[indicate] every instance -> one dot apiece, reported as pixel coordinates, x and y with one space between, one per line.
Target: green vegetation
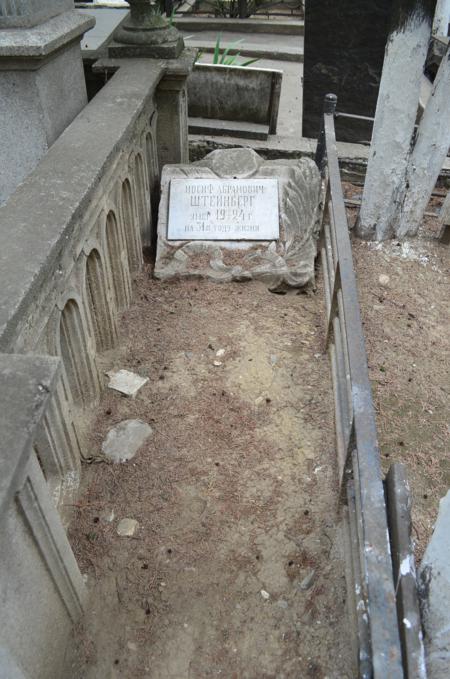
223 56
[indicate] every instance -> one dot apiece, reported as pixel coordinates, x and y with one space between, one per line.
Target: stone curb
256 51
240 25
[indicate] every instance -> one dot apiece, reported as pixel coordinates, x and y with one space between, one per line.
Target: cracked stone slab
124 440
286 261
126 382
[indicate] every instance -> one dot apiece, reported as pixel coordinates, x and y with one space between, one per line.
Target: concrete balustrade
71 239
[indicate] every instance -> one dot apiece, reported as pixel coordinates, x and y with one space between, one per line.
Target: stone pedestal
146 33
42 86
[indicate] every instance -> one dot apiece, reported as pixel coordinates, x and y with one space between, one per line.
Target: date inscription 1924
223 209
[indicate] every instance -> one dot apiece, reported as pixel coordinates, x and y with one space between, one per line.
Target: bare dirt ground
236 570
407 331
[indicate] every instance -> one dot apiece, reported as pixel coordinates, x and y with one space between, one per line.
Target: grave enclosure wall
71 240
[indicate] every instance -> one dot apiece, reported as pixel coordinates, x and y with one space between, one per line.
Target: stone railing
71 239
42 590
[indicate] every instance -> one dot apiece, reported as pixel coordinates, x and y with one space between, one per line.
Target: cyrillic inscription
221 209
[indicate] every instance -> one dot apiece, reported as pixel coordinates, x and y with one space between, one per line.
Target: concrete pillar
429 153
441 18
172 136
42 86
395 116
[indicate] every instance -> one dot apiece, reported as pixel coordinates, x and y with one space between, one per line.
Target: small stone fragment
282 603
127 528
220 352
217 363
259 400
107 516
383 280
265 595
126 382
124 440
131 646
308 580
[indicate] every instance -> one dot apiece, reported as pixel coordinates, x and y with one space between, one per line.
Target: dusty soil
236 569
407 330
236 492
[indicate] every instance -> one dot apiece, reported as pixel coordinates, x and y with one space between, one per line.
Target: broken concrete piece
126 382
434 583
127 528
124 440
285 261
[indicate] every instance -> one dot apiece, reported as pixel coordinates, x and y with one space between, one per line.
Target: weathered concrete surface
434 579
288 261
25 385
42 89
41 588
30 12
233 93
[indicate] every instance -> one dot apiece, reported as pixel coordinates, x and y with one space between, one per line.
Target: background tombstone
42 86
344 51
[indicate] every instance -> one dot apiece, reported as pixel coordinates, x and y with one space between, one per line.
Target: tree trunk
395 117
429 153
441 18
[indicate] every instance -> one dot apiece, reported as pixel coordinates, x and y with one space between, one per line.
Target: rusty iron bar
398 497
358 453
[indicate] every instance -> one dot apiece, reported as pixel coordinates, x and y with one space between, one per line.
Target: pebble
131 646
383 280
282 603
107 515
265 595
259 400
127 528
217 363
308 580
220 352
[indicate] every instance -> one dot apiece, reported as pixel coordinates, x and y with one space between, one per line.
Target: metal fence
372 592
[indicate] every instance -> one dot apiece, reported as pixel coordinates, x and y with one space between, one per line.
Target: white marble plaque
223 209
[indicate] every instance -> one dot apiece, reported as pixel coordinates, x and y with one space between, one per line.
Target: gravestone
344 53
235 216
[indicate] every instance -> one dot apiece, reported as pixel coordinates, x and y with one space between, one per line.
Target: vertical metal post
329 108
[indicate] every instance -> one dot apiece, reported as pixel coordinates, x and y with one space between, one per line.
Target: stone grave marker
223 209
235 216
